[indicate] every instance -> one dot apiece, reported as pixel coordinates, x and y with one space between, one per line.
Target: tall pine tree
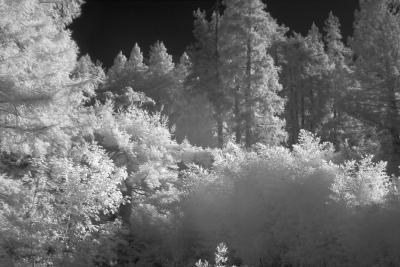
305 66
250 72
375 99
205 79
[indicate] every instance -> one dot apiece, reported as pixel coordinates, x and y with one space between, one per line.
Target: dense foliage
266 141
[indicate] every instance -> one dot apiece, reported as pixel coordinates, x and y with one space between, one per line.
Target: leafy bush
296 207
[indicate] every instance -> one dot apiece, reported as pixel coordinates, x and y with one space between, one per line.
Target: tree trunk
394 162
303 113
220 119
220 130
292 107
238 117
247 98
296 115
313 116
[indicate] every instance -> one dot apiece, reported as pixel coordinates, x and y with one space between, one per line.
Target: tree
90 74
117 77
250 71
160 83
63 11
55 181
160 62
375 98
135 62
305 68
205 78
124 76
347 133
35 60
194 121
164 82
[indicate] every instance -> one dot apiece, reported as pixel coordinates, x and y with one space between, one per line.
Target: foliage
220 257
35 62
294 208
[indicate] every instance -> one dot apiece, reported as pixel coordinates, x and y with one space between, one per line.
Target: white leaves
296 206
221 255
362 183
221 258
311 149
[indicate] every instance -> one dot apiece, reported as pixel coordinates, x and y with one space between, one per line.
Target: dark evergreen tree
305 68
205 78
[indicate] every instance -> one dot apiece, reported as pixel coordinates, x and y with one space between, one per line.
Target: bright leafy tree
56 182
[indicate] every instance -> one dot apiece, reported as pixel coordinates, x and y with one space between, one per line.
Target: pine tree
91 75
36 57
374 99
248 30
135 62
162 84
194 121
205 78
291 55
125 75
136 70
117 78
317 100
305 67
160 62
340 128
336 49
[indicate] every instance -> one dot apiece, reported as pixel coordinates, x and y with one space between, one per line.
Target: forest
259 147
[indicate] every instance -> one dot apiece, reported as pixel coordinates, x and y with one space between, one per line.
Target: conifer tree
117 78
195 119
205 78
91 74
248 32
336 49
340 128
136 70
160 62
317 99
35 60
375 99
305 67
126 73
135 62
162 84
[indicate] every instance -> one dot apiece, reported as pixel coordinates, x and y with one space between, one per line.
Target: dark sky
108 26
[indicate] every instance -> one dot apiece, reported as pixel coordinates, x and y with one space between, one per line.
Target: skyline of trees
314 78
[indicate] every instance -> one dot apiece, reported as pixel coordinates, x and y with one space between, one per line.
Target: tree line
255 81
